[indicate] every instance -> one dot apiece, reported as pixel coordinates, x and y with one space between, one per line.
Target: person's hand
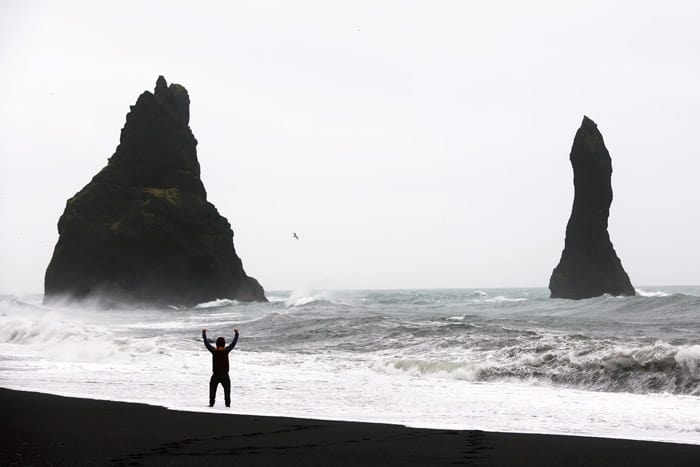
235 330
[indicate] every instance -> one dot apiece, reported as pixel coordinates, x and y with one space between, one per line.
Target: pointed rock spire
589 266
142 230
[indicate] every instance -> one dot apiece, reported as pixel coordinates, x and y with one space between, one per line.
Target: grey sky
409 144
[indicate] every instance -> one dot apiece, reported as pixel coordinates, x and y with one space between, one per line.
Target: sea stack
142 231
589 266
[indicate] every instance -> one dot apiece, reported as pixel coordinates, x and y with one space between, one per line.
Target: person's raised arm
235 340
206 341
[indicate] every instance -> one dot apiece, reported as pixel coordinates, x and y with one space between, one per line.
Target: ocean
489 359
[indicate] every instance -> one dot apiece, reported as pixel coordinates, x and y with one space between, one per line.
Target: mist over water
498 359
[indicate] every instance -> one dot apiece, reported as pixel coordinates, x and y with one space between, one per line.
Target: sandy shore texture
40 429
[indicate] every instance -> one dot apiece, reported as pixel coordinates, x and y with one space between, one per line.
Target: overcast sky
409 144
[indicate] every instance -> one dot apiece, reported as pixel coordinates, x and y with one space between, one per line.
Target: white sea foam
501 298
304 297
464 371
689 358
219 302
301 301
657 293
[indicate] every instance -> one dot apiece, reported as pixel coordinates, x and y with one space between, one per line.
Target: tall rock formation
589 266
142 230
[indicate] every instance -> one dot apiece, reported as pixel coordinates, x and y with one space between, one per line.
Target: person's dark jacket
219 358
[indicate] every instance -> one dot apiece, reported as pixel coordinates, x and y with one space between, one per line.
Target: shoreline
220 410
41 429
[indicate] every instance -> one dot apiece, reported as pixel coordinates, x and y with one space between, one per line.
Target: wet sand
40 429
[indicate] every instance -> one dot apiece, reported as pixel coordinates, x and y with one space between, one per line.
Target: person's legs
213 383
226 383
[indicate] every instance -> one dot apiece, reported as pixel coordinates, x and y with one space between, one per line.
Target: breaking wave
656 368
219 302
62 339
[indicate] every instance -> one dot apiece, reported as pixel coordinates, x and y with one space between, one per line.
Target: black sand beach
40 429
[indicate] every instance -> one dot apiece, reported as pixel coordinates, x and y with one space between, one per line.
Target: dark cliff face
589 266
142 231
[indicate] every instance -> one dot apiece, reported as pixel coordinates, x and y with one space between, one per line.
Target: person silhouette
219 360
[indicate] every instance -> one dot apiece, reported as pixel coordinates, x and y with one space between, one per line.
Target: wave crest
218 303
655 368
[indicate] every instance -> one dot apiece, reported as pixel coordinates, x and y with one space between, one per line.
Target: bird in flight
295 235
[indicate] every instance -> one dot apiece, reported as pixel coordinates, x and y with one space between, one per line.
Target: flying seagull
295 235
